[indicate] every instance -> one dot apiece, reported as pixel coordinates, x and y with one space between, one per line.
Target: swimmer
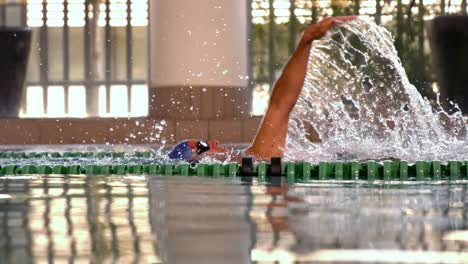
271 136
191 150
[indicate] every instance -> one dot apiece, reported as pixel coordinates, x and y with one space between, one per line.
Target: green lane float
300 172
292 172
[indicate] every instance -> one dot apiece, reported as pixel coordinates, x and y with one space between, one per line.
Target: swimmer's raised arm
271 136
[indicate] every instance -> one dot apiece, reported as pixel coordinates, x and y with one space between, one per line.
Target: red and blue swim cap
188 150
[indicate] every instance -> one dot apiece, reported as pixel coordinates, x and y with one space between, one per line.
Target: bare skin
271 136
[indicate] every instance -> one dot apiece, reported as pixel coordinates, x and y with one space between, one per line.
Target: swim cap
181 151
188 150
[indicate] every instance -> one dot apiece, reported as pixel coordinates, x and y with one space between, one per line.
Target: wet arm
271 136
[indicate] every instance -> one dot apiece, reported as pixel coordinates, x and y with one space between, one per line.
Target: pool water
152 219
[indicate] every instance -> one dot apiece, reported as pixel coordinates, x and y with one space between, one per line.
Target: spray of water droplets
358 98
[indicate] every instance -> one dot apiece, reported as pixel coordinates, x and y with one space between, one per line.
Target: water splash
358 98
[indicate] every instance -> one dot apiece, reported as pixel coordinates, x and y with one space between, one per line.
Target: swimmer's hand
318 30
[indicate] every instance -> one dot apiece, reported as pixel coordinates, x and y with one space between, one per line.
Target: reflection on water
195 220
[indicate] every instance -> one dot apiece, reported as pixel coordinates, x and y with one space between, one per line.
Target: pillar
199 59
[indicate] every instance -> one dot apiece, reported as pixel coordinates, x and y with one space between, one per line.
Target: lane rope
291 171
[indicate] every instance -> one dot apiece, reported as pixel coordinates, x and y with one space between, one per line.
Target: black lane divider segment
247 168
275 171
275 167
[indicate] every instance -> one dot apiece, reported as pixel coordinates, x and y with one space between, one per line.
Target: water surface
150 219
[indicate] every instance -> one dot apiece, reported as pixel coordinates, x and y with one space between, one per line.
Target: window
84 53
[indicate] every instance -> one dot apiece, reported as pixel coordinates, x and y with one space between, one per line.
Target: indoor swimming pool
388 183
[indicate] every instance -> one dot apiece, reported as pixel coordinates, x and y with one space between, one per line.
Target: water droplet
340 103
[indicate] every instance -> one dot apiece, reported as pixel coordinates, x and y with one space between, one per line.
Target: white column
199 43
